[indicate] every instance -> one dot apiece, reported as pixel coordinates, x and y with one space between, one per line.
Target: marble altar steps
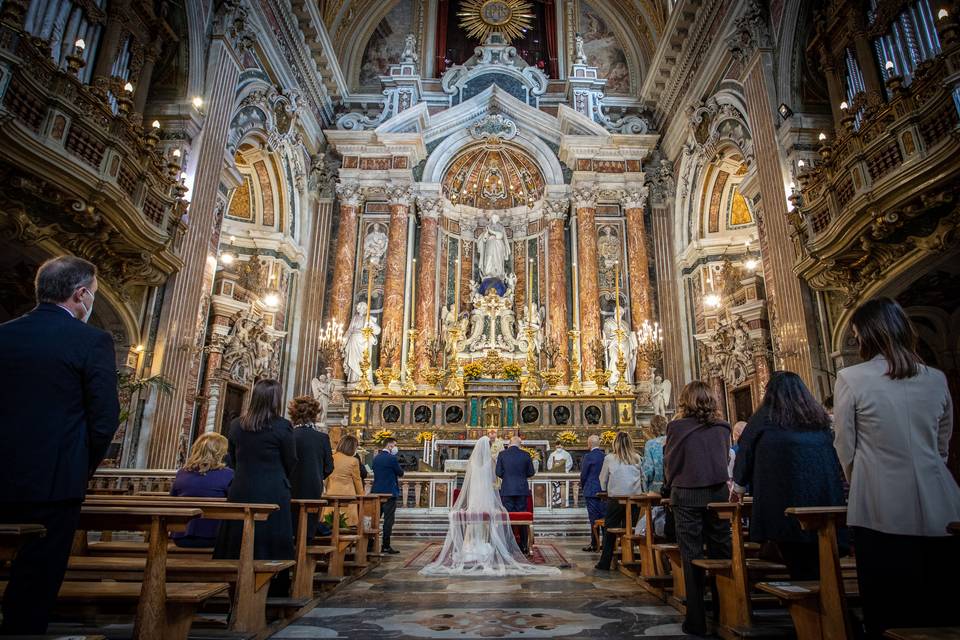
427 523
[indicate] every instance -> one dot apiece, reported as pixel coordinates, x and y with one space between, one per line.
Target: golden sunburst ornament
480 18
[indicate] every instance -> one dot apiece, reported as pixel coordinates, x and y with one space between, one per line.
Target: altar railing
418 489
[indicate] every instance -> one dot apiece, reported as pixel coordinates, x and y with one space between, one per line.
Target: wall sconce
784 111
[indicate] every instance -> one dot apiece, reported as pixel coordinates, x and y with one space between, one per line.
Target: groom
514 466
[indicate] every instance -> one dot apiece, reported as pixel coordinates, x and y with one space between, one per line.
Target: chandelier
650 343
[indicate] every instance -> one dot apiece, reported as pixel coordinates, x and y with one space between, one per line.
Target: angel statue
409 53
660 395
355 342
536 323
322 388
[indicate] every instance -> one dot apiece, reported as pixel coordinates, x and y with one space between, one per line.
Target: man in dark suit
386 474
590 466
59 410
514 466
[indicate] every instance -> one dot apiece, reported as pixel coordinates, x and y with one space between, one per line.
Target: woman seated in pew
620 475
203 476
264 454
695 460
653 454
786 456
314 458
345 479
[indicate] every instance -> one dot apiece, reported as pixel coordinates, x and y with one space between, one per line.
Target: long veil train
479 540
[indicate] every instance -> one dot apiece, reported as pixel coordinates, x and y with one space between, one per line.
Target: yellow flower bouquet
567 438
381 436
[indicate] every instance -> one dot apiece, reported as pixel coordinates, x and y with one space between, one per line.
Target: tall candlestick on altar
369 289
616 287
456 284
530 288
576 299
413 293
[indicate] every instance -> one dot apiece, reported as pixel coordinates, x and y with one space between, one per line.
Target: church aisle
395 602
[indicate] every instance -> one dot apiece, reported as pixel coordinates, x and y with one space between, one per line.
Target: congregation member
788 460
695 460
590 466
205 475
345 479
58 413
386 479
893 421
314 458
514 468
263 453
621 475
653 455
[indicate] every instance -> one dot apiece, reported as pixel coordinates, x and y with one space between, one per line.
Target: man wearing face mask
386 471
59 410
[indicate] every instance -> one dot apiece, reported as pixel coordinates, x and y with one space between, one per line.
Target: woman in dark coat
786 457
314 457
263 454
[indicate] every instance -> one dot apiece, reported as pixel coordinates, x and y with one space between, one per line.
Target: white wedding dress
479 540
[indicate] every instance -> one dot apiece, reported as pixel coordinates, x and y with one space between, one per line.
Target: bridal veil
479 539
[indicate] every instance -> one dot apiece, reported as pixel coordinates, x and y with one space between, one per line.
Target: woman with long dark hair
893 419
786 456
695 460
263 453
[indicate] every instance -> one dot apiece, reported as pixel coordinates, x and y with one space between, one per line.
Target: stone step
430 523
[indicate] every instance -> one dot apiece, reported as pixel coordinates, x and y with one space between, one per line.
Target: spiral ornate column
398 198
426 316
633 200
585 203
557 279
350 196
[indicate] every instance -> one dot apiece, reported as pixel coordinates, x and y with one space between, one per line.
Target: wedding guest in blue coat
386 474
653 455
590 466
514 466
203 476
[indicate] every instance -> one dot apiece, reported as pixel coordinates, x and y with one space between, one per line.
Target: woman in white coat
893 421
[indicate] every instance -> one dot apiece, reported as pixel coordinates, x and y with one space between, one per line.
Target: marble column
426 305
634 200
394 284
314 289
184 315
344 261
588 270
790 303
557 279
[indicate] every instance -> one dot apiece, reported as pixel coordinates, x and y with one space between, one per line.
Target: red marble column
633 201
345 258
557 285
585 202
426 314
396 267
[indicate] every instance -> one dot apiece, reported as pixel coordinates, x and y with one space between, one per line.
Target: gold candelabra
622 386
454 381
363 384
576 382
530 386
409 386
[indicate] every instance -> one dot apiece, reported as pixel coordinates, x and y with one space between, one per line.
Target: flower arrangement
607 437
567 438
425 436
512 371
534 453
381 436
473 370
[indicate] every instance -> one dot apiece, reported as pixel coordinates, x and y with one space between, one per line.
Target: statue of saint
356 344
322 388
628 344
660 395
494 250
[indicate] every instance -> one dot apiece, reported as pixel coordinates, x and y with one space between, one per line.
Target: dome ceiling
493 175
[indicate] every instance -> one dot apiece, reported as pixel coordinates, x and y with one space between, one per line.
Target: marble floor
397 603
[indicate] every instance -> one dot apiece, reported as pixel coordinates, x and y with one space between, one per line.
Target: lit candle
413 293
369 291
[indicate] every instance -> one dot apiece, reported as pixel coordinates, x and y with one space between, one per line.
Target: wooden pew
818 609
628 561
375 524
735 577
164 612
308 552
931 633
12 537
250 579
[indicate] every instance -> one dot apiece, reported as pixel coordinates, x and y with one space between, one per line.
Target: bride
479 540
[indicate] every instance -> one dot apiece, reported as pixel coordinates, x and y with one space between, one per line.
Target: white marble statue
409 53
322 388
536 323
579 56
628 344
494 250
356 344
660 395
375 244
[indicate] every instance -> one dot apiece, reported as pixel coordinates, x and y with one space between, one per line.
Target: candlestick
413 293
530 288
369 289
456 284
576 299
616 287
